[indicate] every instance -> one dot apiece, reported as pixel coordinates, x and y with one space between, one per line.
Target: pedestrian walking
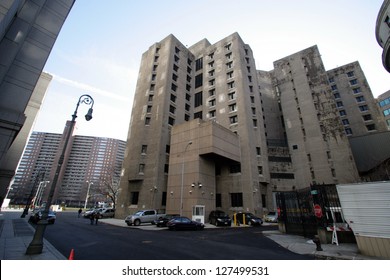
92 217
96 217
79 212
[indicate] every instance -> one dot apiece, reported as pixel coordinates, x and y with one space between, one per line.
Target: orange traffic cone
71 256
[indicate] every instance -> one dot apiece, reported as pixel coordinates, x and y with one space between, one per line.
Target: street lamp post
86 198
182 178
36 244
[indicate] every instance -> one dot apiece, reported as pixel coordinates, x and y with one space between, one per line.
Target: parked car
36 216
250 219
143 216
106 213
162 221
271 217
184 223
219 218
89 212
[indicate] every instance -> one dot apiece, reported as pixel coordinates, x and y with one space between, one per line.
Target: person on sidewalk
79 213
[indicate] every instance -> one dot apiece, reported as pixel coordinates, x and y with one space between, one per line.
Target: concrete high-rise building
210 131
87 159
384 106
357 107
28 31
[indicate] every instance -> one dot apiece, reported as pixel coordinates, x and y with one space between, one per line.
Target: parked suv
219 218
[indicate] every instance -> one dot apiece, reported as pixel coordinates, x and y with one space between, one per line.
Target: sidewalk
16 234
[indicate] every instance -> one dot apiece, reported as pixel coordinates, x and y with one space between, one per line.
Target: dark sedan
249 219
184 223
162 222
36 216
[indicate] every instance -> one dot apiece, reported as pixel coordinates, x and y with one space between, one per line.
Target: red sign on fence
317 210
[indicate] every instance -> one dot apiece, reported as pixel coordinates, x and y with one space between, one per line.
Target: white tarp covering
366 208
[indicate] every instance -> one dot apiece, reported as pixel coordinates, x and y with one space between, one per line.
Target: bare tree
108 186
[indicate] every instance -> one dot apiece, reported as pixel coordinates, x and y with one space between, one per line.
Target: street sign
317 210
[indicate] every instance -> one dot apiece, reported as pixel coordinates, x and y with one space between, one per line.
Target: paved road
107 242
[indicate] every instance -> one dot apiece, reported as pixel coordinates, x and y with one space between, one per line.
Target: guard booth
198 212
313 211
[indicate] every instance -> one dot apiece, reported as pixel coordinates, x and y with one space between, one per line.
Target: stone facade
208 131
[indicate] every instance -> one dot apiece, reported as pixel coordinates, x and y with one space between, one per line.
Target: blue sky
99 48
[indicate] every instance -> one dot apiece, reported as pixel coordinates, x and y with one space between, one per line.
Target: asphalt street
107 242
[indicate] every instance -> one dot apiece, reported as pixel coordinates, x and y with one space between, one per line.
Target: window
336 95
211 73
173 98
175 67
153 77
177 50
144 148
141 168
164 194
149 109
167 149
236 199
152 87
235 168
345 122
174 77
260 170
212 102
348 131
229 64
258 151
231 85
253 111
353 82
229 56
363 108
350 74
172 109
331 80
334 87
188 97
339 104
211 55
356 90
228 47
211 64
342 113
199 64
367 117
198 99
173 87
155 68
233 107
186 117
371 127
360 99
198 115
171 121
147 121
187 107
254 122
134 198
230 75
212 82
384 102
250 79
212 92
232 96
218 200
386 112
233 119
176 58
198 80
